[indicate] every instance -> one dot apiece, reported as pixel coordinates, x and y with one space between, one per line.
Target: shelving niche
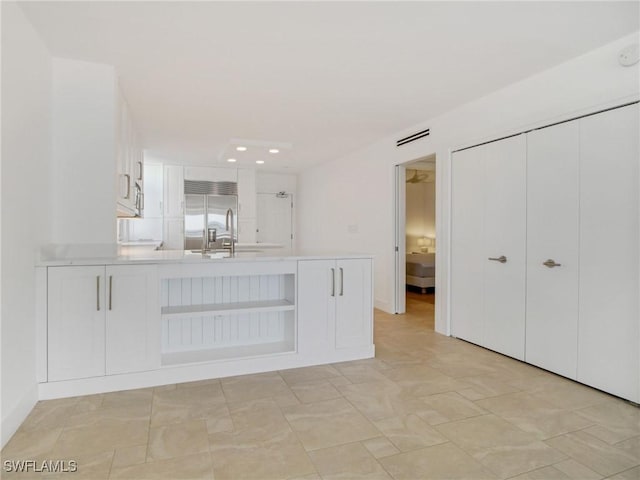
211 318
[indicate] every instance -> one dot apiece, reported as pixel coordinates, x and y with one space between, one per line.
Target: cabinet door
354 306
76 322
504 235
552 234
608 345
246 193
467 251
173 191
133 319
247 230
316 306
153 191
173 238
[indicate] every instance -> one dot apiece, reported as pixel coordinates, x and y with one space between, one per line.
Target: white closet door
505 235
608 352
552 234
467 252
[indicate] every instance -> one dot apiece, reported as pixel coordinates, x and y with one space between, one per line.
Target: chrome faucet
229 227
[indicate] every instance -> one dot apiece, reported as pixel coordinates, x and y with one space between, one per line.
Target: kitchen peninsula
165 317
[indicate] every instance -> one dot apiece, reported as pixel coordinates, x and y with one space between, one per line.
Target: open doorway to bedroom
416 240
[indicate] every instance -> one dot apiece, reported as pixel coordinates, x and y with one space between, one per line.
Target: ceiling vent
411 138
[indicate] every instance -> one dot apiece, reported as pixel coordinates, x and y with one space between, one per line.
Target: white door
76 315
608 346
552 236
173 191
353 303
133 319
467 250
504 217
316 307
275 220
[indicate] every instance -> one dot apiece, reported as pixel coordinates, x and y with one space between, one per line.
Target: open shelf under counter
281 305
226 353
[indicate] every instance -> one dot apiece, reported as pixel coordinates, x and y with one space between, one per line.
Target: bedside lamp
424 243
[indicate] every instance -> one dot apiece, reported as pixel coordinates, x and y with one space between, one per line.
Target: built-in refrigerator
206 214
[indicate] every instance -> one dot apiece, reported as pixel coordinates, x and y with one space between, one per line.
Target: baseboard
12 421
383 305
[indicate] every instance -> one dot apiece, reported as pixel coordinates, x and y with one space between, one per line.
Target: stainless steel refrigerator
206 206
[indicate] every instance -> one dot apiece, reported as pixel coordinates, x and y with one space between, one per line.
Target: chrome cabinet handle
341 282
110 289
139 170
98 292
333 282
128 195
551 263
501 259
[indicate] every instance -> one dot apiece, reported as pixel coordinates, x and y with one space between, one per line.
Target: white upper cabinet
609 334
552 235
153 188
129 184
211 174
173 191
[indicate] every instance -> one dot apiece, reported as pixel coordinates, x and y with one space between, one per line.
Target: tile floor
427 407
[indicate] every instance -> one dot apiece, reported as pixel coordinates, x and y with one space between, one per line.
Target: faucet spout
229 226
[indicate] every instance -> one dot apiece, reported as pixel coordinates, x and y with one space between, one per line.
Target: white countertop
181 256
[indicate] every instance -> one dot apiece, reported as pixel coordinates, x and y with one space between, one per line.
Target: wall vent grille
412 138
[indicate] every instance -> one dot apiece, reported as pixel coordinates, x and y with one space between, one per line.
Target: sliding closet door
608 352
552 248
467 250
505 236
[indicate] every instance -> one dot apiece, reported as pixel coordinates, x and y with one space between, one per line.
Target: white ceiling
325 77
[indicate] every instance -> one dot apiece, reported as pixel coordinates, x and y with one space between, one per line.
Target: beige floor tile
31 444
315 391
45 417
88 403
576 471
264 415
329 423
573 396
361 373
499 445
180 440
631 446
192 467
105 416
127 456
91 467
294 376
422 381
199 400
106 436
615 421
452 406
380 447
544 473
485 387
347 462
252 387
127 398
312 476
445 461
595 454
631 474
409 432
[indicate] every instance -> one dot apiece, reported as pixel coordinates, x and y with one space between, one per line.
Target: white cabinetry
129 162
102 320
173 231
334 305
247 223
488 245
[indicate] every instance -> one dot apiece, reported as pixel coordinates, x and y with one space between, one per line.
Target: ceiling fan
421 176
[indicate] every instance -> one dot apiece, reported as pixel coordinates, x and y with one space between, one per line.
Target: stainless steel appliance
207 223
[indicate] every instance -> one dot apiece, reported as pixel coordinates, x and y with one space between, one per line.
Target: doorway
416 239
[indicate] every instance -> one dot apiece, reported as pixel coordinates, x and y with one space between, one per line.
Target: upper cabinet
173 191
129 183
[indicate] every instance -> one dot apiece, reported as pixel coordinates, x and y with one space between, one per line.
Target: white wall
26 135
347 204
420 213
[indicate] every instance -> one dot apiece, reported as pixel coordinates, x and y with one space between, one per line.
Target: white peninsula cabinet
334 305
102 320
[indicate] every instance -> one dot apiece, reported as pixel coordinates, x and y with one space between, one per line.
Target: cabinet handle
341 282
333 282
551 263
501 259
139 170
128 195
110 289
98 292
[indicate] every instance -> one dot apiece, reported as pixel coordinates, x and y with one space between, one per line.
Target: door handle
110 289
128 177
341 282
551 263
98 292
333 282
501 259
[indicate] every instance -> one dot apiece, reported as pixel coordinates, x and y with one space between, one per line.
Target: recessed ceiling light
231 160
241 149
259 162
273 150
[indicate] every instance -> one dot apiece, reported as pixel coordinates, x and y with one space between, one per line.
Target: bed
421 270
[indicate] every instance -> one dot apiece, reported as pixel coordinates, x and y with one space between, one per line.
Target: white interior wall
347 204
26 135
420 213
